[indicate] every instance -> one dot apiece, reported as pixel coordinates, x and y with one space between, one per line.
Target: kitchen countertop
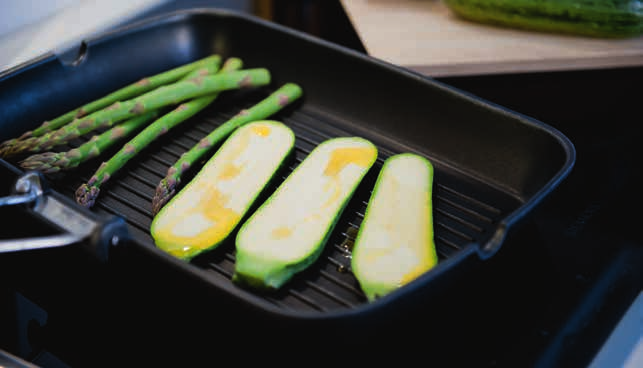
424 35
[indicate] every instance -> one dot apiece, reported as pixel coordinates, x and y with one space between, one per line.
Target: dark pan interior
492 165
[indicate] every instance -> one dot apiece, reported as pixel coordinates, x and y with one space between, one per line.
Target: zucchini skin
268 274
191 251
593 18
388 218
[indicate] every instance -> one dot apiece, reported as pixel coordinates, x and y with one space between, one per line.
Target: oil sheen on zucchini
394 244
597 18
288 232
213 203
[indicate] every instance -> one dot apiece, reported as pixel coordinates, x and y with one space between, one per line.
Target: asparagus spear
49 162
141 86
166 188
165 95
87 193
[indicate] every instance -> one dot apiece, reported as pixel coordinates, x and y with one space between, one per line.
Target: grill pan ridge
476 200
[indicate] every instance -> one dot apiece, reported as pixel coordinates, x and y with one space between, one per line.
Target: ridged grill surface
463 212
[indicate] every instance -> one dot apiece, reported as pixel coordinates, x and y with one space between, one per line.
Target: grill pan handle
94 234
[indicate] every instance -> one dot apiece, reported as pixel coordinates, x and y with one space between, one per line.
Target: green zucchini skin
593 18
265 262
220 199
395 242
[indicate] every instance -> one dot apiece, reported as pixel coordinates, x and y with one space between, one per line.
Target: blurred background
29 28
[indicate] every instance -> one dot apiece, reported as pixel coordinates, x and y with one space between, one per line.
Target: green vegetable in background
595 18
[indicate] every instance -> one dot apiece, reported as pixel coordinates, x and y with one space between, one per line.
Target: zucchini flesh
395 244
211 205
289 230
597 18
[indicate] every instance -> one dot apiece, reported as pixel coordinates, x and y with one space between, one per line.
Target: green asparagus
165 95
141 86
49 162
87 193
166 188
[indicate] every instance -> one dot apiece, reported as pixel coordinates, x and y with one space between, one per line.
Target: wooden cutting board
424 35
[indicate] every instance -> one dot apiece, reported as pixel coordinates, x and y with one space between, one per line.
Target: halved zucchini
394 244
212 204
288 232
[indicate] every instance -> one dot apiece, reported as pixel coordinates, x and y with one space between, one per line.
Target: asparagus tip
3 150
164 191
25 135
86 195
17 146
8 148
44 162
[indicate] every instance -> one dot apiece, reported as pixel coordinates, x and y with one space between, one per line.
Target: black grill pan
492 165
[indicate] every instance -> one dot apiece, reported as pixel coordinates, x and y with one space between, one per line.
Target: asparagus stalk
166 188
165 95
141 86
49 162
87 193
